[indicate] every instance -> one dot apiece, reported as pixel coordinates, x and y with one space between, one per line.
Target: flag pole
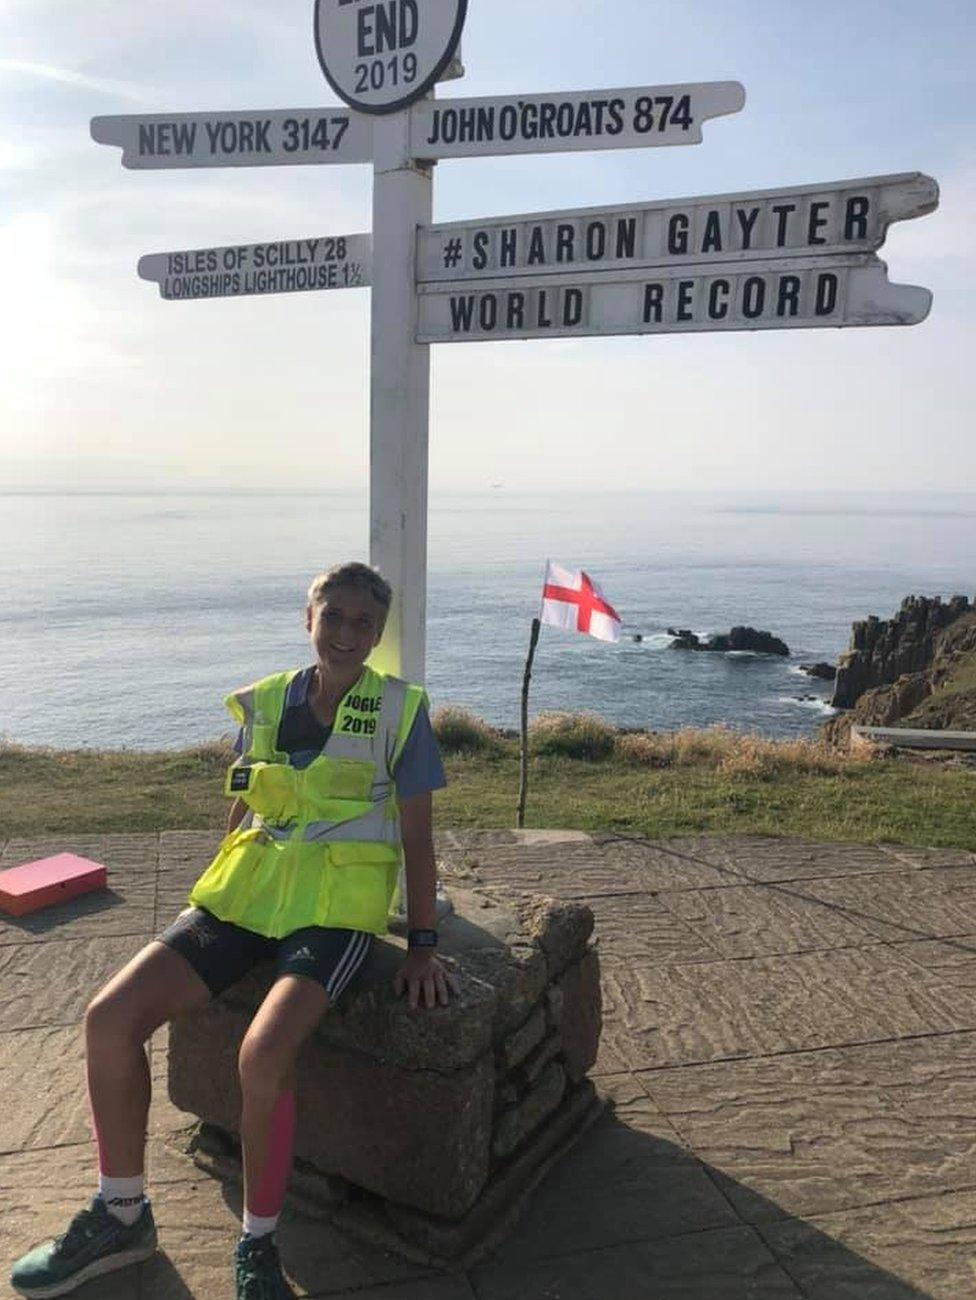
524 782
524 755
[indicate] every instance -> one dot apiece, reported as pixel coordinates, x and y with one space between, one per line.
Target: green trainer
257 1270
95 1242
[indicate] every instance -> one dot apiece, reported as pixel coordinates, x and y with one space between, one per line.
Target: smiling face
345 625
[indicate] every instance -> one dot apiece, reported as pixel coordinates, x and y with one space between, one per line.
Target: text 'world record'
774 294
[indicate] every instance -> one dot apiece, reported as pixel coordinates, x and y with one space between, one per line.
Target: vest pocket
235 887
362 883
273 792
327 780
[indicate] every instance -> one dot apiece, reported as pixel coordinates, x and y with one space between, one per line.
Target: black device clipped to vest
422 939
240 779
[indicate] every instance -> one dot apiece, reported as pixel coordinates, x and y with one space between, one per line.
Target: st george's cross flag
571 599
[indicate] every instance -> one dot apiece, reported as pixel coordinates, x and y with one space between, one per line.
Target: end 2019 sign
381 55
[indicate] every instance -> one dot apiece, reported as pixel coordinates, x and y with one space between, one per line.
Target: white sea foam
816 706
649 640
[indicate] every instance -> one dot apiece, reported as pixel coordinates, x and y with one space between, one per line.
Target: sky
103 385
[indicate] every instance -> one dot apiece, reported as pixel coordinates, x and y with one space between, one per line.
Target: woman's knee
155 986
263 1065
115 1015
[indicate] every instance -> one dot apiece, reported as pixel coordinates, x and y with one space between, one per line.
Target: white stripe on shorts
349 963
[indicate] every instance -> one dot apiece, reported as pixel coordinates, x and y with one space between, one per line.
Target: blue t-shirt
302 737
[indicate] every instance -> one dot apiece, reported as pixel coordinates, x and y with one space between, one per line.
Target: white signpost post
774 259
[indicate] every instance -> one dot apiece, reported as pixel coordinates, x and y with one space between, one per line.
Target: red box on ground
38 884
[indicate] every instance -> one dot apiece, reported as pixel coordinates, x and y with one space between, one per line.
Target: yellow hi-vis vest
321 845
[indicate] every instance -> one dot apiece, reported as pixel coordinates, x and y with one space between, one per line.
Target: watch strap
422 939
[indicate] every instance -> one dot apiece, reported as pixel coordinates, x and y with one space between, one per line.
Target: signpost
772 259
284 266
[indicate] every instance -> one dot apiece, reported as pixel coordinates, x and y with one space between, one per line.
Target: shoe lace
80 1230
258 1272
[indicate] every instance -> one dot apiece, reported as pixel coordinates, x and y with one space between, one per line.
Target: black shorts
222 953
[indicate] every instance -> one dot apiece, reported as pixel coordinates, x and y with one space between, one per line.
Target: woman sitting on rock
305 877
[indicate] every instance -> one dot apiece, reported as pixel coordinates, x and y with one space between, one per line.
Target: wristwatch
422 939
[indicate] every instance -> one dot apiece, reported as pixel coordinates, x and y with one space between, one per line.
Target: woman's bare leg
155 986
286 1017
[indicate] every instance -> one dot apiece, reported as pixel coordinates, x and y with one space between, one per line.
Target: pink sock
123 1197
96 1134
266 1200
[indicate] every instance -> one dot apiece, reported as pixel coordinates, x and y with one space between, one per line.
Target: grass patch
105 790
655 785
571 735
460 732
734 755
962 679
890 801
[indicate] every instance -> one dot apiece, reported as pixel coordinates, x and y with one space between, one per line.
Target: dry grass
733 754
214 751
460 732
572 735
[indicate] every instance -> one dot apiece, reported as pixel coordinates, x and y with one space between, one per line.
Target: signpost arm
399 398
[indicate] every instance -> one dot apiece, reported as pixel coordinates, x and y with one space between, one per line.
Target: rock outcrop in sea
825 672
740 638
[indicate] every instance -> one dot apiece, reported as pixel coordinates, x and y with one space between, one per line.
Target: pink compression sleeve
99 1144
268 1198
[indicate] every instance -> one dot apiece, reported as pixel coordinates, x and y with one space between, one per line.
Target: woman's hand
423 971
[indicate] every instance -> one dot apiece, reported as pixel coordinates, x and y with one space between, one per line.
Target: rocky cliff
882 650
915 670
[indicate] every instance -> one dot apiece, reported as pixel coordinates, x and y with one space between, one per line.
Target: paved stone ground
789 1044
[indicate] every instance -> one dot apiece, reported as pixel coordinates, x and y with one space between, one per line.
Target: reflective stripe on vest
375 827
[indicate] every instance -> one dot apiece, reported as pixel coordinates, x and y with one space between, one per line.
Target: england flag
571 599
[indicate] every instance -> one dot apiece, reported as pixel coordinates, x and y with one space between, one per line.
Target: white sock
123 1197
256 1226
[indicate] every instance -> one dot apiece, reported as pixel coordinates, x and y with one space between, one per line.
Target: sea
125 617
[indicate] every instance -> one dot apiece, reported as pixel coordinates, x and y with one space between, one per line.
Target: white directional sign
833 217
283 266
381 55
282 137
770 293
636 118
639 118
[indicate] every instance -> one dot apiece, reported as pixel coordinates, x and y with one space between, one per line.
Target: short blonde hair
361 577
